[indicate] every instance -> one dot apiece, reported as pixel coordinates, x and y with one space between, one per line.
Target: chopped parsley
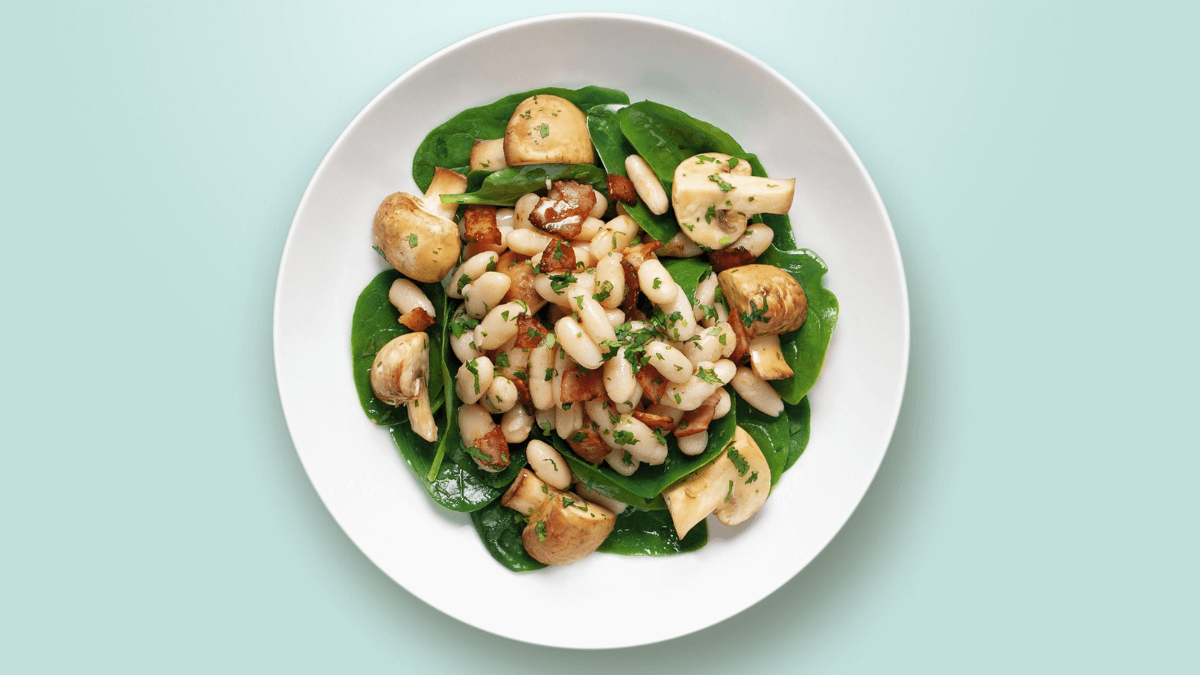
729 494
541 529
739 462
502 360
577 437
559 282
472 367
657 283
756 314
753 477
708 375
628 459
716 178
412 241
550 373
606 289
733 162
710 214
545 130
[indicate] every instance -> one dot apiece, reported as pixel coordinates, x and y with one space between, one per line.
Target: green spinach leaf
799 420
651 533
613 148
504 187
449 145
452 487
500 528
805 349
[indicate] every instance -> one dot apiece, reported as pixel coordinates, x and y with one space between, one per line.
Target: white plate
434 553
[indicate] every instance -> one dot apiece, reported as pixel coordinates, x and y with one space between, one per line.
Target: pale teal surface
1037 509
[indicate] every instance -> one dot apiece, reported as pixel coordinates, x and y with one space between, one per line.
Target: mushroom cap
547 129
751 485
400 371
417 243
713 202
567 529
764 299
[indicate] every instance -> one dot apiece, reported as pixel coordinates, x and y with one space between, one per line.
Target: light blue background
1037 508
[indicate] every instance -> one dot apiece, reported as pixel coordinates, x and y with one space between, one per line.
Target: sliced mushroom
766 358
713 202
547 129
563 527
734 486
400 374
764 299
415 236
487 155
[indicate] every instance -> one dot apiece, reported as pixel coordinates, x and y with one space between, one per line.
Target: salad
596 329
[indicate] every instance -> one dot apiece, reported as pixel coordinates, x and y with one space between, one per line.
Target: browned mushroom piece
400 374
417 235
734 486
547 129
563 527
764 299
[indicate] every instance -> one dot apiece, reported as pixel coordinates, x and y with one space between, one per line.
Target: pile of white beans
584 314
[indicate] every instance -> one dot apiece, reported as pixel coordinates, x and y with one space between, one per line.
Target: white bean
614 236
560 367
548 465
694 444
639 439
544 419
596 322
485 293
755 239
656 282
591 227
583 256
527 242
472 269
622 462
516 424
545 287
659 409
464 346
647 185
689 395
505 218
615 317
723 404
501 396
627 406
684 326
707 346
759 394
499 325
601 205
473 379
619 380
407 296
473 422
601 414
706 290
672 363
541 368
521 210
581 347
568 418
610 276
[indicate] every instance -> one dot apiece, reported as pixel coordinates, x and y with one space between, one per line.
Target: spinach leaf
648 482
804 349
613 148
799 420
449 145
504 187
688 273
652 533
500 528
452 487
772 434
374 325
665 136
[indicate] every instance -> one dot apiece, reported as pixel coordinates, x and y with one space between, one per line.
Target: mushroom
487 155
563 527
766 358
734 486
763 299
547 129
714 194
418 236
400 374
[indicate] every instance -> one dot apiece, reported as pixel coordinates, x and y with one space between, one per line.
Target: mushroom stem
420 415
